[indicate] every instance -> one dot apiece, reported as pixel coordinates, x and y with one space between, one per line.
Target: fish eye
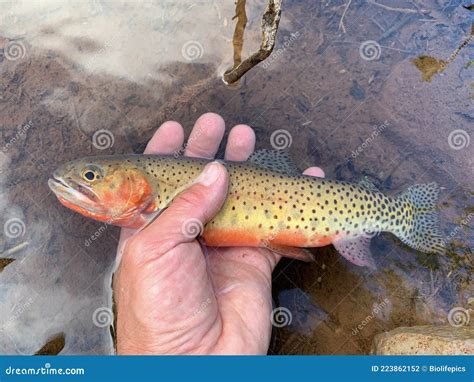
91 174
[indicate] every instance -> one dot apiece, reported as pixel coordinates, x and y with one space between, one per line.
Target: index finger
167 139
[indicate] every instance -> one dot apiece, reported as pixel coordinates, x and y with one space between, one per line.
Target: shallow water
349 98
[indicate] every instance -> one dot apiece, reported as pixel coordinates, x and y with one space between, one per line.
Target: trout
269 203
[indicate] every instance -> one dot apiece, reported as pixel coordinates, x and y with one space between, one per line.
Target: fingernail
211 173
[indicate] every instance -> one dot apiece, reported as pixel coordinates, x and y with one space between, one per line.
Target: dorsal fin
275 160
367 183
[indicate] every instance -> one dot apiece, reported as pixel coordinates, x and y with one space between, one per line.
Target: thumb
185 218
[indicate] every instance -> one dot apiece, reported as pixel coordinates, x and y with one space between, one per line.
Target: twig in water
269 26
14 249
238 40
4 262
341 22
388 8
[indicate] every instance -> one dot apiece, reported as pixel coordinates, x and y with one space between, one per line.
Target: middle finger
206 136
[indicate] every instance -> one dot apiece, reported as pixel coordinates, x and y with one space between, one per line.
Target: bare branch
269 26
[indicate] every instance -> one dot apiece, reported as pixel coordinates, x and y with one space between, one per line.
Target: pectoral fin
356 250
302 254
152 218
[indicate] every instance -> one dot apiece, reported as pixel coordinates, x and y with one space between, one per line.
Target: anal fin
356 250
297 253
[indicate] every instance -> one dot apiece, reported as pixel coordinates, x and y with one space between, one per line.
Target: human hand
172 298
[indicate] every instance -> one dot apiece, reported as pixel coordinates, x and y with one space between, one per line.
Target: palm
187 301
219 304
242 280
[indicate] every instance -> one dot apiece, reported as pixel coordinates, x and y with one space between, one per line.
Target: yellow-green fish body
268 203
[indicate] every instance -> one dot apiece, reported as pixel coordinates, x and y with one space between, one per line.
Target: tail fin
420 229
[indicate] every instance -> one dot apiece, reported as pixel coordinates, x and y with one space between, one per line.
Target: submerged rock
425 340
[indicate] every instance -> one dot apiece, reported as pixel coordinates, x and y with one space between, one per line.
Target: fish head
105 189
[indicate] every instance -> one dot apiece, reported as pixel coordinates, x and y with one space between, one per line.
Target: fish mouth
73 192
